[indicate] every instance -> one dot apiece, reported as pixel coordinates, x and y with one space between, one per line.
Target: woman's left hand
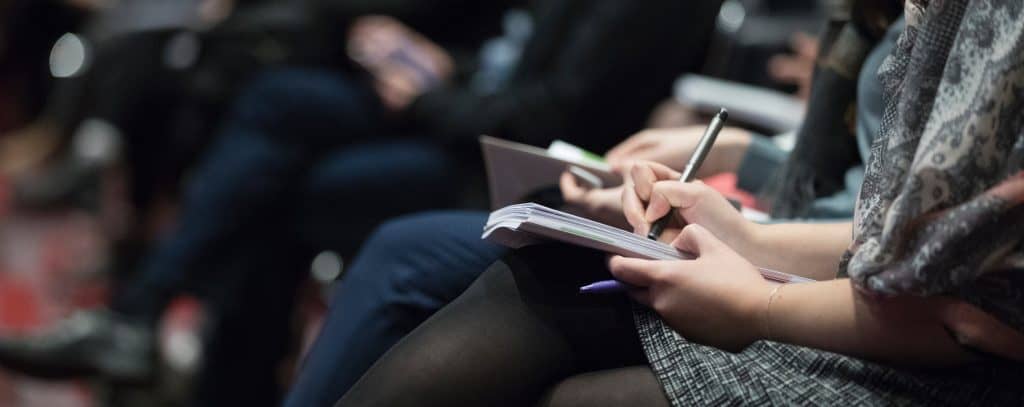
601 204
718 298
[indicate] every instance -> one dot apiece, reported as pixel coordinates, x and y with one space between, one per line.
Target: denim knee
423 258
305 104
391 252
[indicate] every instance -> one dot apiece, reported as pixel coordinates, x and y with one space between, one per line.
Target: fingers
634 211
635 272
397 85
622 167
805 45
572 192
372 24
645 174
394 98
640 295
624 150
786 69
637 191
643 181
697 240
371 40
669 195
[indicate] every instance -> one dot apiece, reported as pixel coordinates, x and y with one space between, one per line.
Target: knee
297 101
420 258
634 385
571 392
397 253
401 235
266 94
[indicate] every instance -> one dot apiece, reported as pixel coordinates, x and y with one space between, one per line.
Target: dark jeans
410 268
292 171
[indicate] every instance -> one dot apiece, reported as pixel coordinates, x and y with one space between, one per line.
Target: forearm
811 250
832 316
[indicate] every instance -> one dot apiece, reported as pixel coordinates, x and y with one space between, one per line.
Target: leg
408 269
349 192
516 331
250 326
254 305
628 386
279 125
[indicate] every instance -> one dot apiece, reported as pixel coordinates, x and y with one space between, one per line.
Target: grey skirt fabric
771 373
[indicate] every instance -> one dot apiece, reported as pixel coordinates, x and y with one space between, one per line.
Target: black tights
520 335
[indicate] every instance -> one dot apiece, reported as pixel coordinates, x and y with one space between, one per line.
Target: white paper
519 225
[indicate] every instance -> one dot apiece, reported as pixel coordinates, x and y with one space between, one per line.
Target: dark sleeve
618 58
401 9
451 17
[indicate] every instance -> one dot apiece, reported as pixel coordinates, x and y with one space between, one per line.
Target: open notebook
524 224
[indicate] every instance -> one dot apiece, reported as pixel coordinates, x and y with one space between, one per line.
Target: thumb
696 240
635 272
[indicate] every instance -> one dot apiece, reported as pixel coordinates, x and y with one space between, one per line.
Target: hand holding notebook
524 224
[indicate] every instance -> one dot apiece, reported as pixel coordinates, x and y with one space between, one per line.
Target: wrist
747 239
765 323
757 317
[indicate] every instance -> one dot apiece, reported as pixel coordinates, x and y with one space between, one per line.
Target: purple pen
604 287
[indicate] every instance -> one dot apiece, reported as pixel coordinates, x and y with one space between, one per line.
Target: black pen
703 147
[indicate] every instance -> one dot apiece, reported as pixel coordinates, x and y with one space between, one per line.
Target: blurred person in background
144 81
412 266
134 88
138 88
312 159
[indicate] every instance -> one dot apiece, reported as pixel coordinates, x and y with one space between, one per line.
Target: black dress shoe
88 344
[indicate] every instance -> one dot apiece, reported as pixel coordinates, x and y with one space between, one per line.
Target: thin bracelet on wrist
768 312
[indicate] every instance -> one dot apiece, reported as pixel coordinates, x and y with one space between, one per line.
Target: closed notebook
516 170
529 223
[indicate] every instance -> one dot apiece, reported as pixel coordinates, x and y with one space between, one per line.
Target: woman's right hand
652 190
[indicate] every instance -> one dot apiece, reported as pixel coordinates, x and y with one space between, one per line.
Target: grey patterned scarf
941 210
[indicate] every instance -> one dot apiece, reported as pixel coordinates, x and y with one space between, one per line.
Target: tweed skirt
771 373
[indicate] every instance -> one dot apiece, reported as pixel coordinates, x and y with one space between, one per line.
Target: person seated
918 300
309 158
412 266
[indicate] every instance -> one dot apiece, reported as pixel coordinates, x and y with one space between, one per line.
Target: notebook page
539 221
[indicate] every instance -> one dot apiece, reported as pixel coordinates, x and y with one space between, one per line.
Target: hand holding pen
696 160
650 210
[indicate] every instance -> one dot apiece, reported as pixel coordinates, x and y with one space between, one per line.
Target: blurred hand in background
673 147
796 68
403 63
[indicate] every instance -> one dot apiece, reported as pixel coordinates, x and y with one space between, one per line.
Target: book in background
516 172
